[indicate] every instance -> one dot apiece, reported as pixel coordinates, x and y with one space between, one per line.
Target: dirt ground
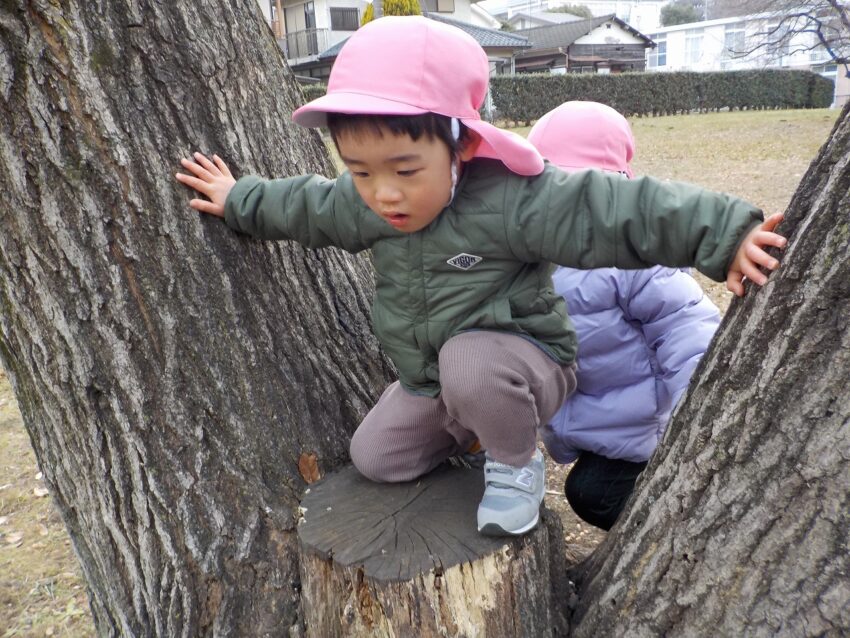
758 155
41 589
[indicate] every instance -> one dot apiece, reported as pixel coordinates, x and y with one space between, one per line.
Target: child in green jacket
464 222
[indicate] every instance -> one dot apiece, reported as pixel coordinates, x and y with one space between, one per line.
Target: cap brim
513 150
314 114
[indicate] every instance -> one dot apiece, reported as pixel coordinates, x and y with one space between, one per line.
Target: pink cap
580 135
412 65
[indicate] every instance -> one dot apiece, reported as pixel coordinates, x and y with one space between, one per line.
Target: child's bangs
429 125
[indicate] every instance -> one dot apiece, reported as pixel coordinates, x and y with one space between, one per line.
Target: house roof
332 52
552 17
561 35
487 38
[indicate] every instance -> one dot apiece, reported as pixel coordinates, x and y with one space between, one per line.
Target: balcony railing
306 43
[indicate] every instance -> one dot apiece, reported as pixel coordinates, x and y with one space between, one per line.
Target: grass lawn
759 155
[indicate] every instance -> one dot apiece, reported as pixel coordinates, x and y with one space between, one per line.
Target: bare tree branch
827 20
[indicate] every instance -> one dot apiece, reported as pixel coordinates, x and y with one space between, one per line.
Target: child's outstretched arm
751 255
212 178
314 211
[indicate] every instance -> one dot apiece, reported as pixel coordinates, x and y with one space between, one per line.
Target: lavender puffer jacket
641 333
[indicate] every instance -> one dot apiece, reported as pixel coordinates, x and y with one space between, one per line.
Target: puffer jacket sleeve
310 209
678 321
592 219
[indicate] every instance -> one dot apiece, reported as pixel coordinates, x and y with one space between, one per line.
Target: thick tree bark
170 373
741 525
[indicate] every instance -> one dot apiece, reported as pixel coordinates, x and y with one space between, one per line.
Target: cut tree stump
406 559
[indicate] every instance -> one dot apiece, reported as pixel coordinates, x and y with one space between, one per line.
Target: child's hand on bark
751 255
211 178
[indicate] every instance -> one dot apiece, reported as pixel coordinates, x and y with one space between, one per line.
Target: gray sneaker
512 497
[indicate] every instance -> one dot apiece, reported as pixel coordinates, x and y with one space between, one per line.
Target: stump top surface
396 531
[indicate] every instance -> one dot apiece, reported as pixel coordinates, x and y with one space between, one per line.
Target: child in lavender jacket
641 334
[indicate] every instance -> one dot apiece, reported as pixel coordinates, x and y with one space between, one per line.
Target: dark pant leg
597 487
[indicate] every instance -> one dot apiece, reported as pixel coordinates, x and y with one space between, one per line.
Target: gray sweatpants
496 387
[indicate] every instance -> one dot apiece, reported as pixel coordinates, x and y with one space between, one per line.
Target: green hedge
312 91
523 98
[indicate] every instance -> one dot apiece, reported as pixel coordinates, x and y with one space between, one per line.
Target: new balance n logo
525 478
464 261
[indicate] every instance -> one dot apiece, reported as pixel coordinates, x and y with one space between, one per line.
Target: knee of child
365 460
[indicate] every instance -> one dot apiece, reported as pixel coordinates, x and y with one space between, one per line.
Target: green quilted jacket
485 262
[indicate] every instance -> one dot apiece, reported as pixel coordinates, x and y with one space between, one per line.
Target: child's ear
469 146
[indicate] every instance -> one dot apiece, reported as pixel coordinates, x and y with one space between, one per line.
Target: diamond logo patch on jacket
464 261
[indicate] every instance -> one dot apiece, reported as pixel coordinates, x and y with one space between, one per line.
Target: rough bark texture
406 560
741 525
170 373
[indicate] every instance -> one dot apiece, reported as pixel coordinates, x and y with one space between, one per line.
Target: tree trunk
170 373
741 525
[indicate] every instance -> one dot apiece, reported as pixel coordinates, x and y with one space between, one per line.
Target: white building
266 8
643 15
306 28
721 45
312 32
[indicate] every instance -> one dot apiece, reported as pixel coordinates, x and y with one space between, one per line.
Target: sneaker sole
494 529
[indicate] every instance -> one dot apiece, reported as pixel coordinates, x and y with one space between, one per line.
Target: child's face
406 182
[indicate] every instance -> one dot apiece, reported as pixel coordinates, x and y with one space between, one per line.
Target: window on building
438 6
828 70
658 56
778 40
312 38
693 46
277 28
734 42
817 52
345 18
309 15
